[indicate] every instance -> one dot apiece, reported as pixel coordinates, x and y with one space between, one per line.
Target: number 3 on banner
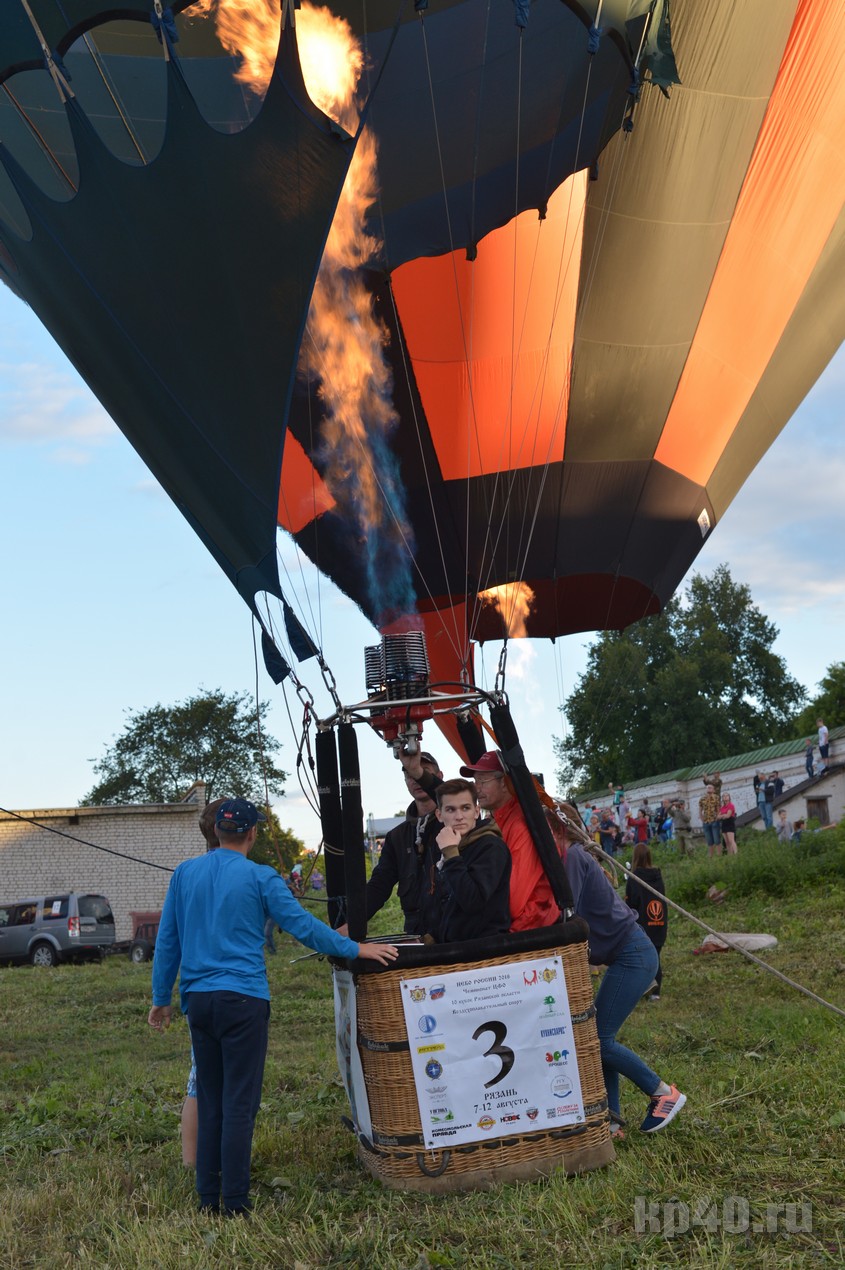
506 1054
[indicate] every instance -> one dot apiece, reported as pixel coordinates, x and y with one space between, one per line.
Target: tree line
692 685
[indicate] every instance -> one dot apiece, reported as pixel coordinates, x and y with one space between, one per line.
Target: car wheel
140 951
43 955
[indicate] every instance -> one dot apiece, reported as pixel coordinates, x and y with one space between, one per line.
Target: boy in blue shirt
212 935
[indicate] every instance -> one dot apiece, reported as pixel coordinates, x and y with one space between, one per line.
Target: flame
513 601
345 339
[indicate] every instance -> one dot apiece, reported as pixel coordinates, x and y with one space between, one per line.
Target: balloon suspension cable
63 88
499 684
330 682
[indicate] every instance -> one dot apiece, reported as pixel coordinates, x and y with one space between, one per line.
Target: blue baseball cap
237 815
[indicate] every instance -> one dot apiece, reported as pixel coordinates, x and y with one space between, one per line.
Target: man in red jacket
532 903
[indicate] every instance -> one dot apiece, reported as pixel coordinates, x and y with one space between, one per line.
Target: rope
112 92
725 939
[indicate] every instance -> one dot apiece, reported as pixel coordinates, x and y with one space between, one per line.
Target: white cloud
41 403
150 488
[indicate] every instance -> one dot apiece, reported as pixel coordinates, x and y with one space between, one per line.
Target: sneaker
662 1109
655 996
649 989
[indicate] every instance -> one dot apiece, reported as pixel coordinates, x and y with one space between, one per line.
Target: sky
112 604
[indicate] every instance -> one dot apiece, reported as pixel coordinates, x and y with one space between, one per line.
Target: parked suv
55 928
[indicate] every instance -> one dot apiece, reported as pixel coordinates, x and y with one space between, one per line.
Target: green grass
90 1099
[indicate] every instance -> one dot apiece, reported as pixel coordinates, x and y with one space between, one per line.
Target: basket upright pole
328 788
353 832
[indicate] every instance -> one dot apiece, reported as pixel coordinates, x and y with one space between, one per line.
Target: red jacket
532 903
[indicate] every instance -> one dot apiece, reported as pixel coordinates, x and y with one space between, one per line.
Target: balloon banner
492 1052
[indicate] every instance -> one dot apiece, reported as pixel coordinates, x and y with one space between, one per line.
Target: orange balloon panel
302 493
789 204
490 339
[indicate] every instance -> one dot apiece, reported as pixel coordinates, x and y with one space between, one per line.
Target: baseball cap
489 762
429 758
237 815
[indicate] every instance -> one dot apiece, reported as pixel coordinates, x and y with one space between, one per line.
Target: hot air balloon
598 294
581 400
167 226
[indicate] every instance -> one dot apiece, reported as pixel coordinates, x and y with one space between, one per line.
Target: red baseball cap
489 762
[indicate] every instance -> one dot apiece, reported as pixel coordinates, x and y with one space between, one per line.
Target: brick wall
34 861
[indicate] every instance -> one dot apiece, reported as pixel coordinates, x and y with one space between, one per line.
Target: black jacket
406 852
652 913
468 897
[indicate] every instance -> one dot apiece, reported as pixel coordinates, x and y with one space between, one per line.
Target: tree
270 836
695 684
213 737
828 704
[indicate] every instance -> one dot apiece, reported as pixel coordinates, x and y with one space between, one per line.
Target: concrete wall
34 861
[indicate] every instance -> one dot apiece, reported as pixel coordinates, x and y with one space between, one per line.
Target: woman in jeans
617 942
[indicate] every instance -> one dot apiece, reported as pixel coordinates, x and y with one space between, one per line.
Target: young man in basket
467 892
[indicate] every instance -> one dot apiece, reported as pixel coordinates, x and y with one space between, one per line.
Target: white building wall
35 861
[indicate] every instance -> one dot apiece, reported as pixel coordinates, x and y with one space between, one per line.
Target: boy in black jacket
468 890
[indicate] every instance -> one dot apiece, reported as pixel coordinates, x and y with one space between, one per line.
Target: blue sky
112 604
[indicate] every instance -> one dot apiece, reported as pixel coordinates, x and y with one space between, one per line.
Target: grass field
750 1175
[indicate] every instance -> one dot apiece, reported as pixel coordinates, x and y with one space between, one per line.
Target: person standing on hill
652 911
683 827
808 757
824 743
760 796
727 816
708 809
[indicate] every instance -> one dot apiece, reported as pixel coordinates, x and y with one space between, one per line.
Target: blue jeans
766 811
229 1036
713 832
623 985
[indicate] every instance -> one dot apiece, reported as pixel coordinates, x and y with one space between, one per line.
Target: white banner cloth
492 1051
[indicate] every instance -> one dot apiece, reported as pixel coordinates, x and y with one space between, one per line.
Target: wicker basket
397 1155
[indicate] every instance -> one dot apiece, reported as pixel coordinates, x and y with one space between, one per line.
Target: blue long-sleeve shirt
212 924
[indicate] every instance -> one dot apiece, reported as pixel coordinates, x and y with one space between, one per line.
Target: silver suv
55 928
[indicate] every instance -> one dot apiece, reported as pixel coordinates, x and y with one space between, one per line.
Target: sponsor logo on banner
530 980
418 994
437 992
442 1115
431 1049
556 1057
435 1090
450 1132
427 1024
433 1069
561 1087
551 1005
549 974
546 1032
532 1113
486 1122
564 1109
509 1119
